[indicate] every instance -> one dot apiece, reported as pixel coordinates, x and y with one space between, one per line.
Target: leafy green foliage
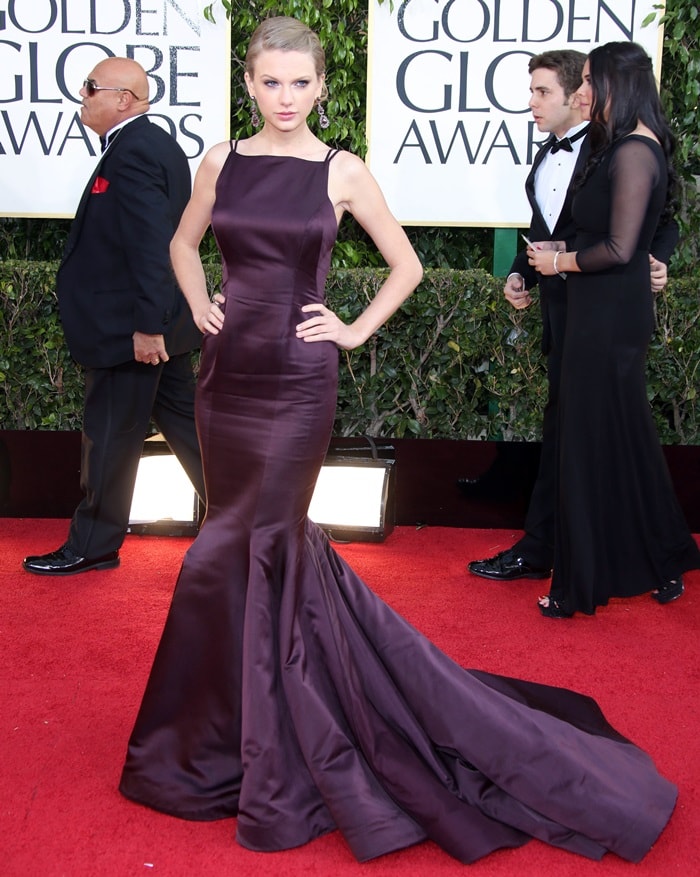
41 239
680 91
456 361
674 363
40 385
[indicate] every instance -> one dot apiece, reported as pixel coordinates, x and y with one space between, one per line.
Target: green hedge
456 362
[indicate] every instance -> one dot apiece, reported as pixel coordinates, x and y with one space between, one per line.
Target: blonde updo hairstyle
285 34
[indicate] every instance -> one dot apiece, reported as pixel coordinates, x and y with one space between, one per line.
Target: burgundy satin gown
284 692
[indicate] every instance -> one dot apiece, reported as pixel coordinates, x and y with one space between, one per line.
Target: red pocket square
100 185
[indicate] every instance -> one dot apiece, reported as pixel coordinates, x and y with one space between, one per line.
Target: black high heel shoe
552 609
669 591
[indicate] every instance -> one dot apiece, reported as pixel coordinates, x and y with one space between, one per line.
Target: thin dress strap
330 155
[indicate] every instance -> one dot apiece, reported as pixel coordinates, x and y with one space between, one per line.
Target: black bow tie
555 145
564 144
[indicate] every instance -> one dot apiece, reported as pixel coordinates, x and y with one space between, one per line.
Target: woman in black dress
620 531
284 692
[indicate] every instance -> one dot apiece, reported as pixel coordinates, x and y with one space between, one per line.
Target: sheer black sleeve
633 172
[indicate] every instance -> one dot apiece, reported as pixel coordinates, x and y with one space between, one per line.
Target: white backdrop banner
451 138
47 49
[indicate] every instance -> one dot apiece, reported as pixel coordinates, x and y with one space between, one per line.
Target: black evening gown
620 529
283 690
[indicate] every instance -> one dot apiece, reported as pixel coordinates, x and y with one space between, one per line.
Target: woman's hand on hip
324 325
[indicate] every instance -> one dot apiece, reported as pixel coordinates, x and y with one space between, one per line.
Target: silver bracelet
562 274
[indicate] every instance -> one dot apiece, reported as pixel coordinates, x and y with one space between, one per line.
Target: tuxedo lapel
91 182
80 212
565 214
88 189
82 204
530 185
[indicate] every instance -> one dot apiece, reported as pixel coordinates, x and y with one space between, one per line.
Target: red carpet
76 652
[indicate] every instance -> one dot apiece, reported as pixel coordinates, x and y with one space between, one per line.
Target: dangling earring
254 117
322 117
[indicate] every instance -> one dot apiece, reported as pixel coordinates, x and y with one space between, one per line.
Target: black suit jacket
115 277
552 289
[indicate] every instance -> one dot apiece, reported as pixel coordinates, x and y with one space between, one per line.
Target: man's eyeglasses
91 87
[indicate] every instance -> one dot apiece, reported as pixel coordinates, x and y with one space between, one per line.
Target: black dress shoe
506 566
65 562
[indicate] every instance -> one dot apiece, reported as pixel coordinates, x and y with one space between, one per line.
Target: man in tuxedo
124 317
550 185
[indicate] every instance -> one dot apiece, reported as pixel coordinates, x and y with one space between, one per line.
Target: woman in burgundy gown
284 692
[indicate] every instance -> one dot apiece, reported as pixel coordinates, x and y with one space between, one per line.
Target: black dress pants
119 405
537 545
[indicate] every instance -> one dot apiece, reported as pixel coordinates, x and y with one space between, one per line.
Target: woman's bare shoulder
349 166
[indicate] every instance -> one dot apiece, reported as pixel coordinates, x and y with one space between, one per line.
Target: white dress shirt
553 176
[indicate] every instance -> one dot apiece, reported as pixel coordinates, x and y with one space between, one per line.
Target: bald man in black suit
125 320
